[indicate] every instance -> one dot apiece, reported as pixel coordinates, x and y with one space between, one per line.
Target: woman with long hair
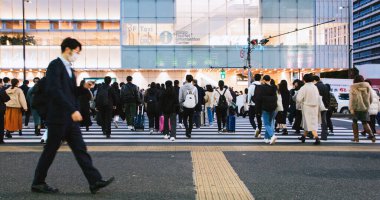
85 96
298 113
285 100
169 105
15 106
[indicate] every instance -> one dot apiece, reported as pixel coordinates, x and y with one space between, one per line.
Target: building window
89 25
110 25
13 24
40 25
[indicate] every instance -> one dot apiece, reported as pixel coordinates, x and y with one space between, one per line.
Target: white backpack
190 99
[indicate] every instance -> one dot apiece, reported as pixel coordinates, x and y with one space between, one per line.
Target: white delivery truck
340 88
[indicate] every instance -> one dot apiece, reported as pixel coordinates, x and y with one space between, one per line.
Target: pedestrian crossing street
244 134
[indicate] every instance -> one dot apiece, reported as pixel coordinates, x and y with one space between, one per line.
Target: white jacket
251 92
216 96
374 108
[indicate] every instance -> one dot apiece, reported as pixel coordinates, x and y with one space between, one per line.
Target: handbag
280 107
321 104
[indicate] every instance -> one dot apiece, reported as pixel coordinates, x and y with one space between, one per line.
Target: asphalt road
301 175
142 175
168 175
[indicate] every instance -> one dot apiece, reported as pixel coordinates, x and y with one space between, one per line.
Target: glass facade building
95 23
185 34
366 37
147 37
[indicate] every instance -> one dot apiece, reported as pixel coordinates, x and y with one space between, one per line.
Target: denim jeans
210 115
268 118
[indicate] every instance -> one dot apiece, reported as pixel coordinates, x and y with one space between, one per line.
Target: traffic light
264 41
222 74
254 42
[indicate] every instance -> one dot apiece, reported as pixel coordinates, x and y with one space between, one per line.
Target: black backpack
222 103
151 97
129 93
40 98
102 98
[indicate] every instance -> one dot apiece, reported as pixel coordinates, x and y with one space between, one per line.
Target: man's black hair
107 80
316 78
6 80
189 78
308 78
221 84
70 43
176 83
266 78
129 78
257 77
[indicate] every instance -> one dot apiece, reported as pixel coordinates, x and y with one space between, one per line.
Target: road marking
186 148
215 178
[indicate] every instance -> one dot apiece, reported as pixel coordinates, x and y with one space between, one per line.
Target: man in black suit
62 119
25 88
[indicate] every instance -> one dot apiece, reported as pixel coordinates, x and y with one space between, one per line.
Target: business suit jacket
62 91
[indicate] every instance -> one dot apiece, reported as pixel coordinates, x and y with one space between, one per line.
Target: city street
227 166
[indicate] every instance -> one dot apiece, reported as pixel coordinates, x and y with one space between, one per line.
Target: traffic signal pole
249 52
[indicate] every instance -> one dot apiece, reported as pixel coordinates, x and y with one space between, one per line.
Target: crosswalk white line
243 134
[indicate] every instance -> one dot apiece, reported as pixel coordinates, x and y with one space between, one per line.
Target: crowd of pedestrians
307 106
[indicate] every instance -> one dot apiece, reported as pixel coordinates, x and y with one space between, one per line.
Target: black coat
168 102
285 95
201 95
84 96
324 92
265 98
152 107
3 98
62 90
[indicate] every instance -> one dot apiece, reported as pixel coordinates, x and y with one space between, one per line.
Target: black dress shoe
44 188
2 142
317 141
100 184
302 138
8 134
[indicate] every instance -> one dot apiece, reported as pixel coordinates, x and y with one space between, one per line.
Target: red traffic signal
254 42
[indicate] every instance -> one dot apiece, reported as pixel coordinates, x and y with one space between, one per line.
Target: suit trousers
106 115
72 134
324 132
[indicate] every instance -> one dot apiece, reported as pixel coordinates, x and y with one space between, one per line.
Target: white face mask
73 57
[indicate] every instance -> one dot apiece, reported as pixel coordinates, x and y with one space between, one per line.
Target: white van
343 102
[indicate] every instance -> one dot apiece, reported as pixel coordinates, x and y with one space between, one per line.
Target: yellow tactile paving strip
215 178
278 148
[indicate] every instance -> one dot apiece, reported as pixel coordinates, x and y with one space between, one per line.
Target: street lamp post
23 35
348 7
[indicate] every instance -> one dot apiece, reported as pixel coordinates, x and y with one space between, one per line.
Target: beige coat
308 98
208 99
17 98
360 97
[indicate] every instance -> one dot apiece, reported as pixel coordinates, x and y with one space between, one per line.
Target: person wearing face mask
63 119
